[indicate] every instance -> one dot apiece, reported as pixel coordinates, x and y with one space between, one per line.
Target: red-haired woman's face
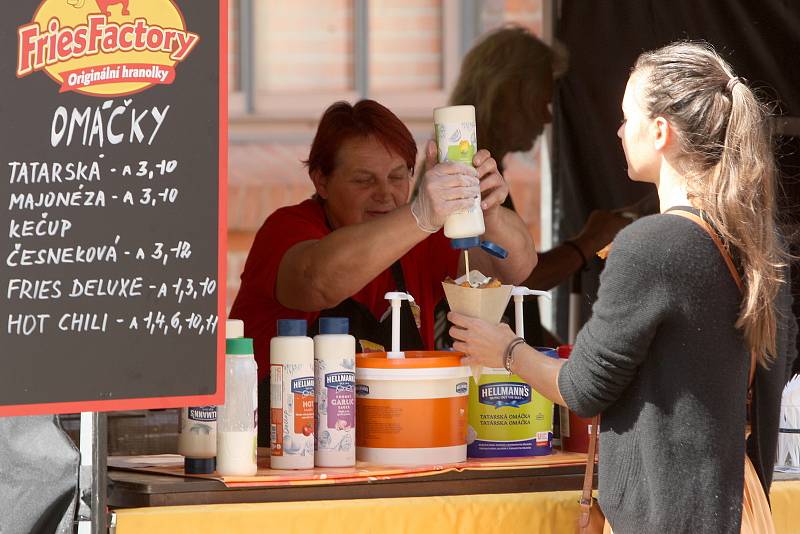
367 182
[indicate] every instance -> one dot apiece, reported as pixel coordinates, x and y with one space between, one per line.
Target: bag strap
728 261
588 477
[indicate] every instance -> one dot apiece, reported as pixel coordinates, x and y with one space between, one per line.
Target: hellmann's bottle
291 390
335 391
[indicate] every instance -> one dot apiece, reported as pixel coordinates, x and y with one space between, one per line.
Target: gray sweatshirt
662 361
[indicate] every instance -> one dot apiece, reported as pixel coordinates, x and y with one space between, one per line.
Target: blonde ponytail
726 149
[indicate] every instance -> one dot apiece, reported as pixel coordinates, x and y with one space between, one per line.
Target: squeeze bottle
457 140
335 380
238 418
291 358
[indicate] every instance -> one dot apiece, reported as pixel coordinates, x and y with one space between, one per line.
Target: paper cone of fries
482 303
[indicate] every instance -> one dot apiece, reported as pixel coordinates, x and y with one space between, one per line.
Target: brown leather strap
588 478
728 261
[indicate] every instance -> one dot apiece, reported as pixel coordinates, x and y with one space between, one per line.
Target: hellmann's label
303 386
303 421
499 394
343 381
203 414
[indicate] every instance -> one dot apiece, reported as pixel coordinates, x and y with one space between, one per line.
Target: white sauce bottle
197 441
237 421
334 368
291 377
457 140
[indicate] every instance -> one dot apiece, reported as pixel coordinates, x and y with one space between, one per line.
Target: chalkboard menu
112 171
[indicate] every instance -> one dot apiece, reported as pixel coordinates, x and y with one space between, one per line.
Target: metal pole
247 55
92 480
469 25
361 48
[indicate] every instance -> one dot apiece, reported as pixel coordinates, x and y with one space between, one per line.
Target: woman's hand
483 343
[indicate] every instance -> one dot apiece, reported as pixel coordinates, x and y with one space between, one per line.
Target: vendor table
135 489
497 500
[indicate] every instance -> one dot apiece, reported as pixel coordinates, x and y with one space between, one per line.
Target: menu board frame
20 407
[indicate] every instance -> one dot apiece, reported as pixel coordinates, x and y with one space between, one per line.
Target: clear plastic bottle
237 421
334 368
291 377
457 140
197 441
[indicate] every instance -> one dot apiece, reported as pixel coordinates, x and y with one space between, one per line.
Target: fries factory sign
112 170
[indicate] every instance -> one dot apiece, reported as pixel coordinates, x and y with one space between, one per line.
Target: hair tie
732 83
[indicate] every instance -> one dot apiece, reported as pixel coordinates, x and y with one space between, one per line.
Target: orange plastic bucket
411 411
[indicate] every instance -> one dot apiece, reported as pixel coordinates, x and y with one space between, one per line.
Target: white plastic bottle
457 140
197 441
237 422
291 386
334 372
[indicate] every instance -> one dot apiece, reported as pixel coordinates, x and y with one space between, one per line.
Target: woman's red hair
343 121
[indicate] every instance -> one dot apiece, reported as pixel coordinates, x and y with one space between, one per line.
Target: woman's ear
662 133
320 184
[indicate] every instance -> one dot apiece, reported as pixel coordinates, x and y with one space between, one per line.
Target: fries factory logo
105 47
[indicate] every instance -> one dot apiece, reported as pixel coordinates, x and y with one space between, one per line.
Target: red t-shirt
424 268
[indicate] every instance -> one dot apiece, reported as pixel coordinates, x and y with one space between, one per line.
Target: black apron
363 326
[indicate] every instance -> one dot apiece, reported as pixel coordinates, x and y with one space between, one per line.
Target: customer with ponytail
693 309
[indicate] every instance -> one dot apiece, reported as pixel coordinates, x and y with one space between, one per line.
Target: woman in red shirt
339 252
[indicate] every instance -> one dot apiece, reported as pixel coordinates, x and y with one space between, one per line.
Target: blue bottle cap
494 249
292 327
465 242
199 466
334 325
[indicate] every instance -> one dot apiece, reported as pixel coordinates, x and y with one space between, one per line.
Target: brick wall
301 47
405 44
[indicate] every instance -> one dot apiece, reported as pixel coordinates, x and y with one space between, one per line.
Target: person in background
508 76
338 253
673 344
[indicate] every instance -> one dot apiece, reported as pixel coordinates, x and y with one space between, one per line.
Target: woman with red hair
358 237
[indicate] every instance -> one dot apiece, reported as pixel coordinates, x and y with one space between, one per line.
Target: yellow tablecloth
528 513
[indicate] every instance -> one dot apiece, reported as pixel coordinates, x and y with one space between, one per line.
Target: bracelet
577 249
508 360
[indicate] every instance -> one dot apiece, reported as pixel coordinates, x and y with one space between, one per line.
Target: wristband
508 360
577 249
